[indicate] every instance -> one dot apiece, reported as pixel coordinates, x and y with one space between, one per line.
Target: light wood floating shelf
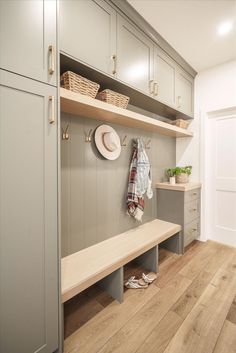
138 98
77 104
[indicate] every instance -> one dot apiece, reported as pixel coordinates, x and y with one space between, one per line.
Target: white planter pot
172 180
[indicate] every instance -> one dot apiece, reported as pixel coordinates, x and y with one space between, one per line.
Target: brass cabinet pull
194 230
52 117
192 209
51 67
194 193
151 86
179 102
114 58
156 89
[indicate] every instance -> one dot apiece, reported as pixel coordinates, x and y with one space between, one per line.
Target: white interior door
222 179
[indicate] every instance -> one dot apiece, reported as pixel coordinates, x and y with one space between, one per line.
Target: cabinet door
88 32
164 76
27 30
28 212
134 56
184 92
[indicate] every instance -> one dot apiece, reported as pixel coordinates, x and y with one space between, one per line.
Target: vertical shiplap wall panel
76 176
94 189
90 202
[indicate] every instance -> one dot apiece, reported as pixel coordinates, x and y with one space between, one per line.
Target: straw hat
107 142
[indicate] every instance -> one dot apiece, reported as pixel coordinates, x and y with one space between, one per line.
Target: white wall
215 89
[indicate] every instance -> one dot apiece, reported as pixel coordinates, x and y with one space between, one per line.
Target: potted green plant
170 172
182 174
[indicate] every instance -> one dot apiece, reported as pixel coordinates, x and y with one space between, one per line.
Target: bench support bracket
149 260
174 243
114 284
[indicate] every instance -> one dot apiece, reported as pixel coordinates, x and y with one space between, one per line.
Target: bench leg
114 284
149 260
174 244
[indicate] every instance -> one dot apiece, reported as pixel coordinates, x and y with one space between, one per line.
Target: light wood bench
103 262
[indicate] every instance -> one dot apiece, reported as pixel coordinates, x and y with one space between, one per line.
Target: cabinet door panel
192 195
191 231
87 32
134 56
191 210
27 29
164 75
184 92
28 210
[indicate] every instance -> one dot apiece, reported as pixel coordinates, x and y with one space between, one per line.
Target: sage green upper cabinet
29 293
88 32
184 92
134 56
28 38
164 77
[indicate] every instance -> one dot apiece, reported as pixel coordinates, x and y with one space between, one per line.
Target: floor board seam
195 305
101 348
220 261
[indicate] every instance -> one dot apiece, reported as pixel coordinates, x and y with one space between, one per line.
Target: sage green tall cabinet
184 92
134 56
88 33
29 294
28 38
164 77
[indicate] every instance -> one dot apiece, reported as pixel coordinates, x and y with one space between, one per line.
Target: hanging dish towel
139 181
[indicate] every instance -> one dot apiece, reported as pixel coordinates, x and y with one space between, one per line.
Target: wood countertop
179 187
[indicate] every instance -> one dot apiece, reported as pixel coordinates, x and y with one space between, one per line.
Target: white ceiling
191 27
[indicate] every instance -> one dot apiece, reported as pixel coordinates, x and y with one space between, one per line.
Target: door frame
206 214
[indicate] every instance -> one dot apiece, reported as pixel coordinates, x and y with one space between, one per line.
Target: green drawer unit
181 204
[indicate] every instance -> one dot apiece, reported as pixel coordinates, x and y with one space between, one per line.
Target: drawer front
191 231
191 211
192 195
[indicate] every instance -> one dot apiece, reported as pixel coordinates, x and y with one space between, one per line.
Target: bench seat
88 266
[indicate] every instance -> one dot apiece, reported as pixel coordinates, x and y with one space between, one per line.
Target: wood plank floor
191 308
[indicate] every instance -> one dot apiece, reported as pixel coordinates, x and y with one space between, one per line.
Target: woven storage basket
114 98
79 84
181 123
182 178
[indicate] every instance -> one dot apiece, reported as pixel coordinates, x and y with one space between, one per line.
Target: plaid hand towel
139 181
